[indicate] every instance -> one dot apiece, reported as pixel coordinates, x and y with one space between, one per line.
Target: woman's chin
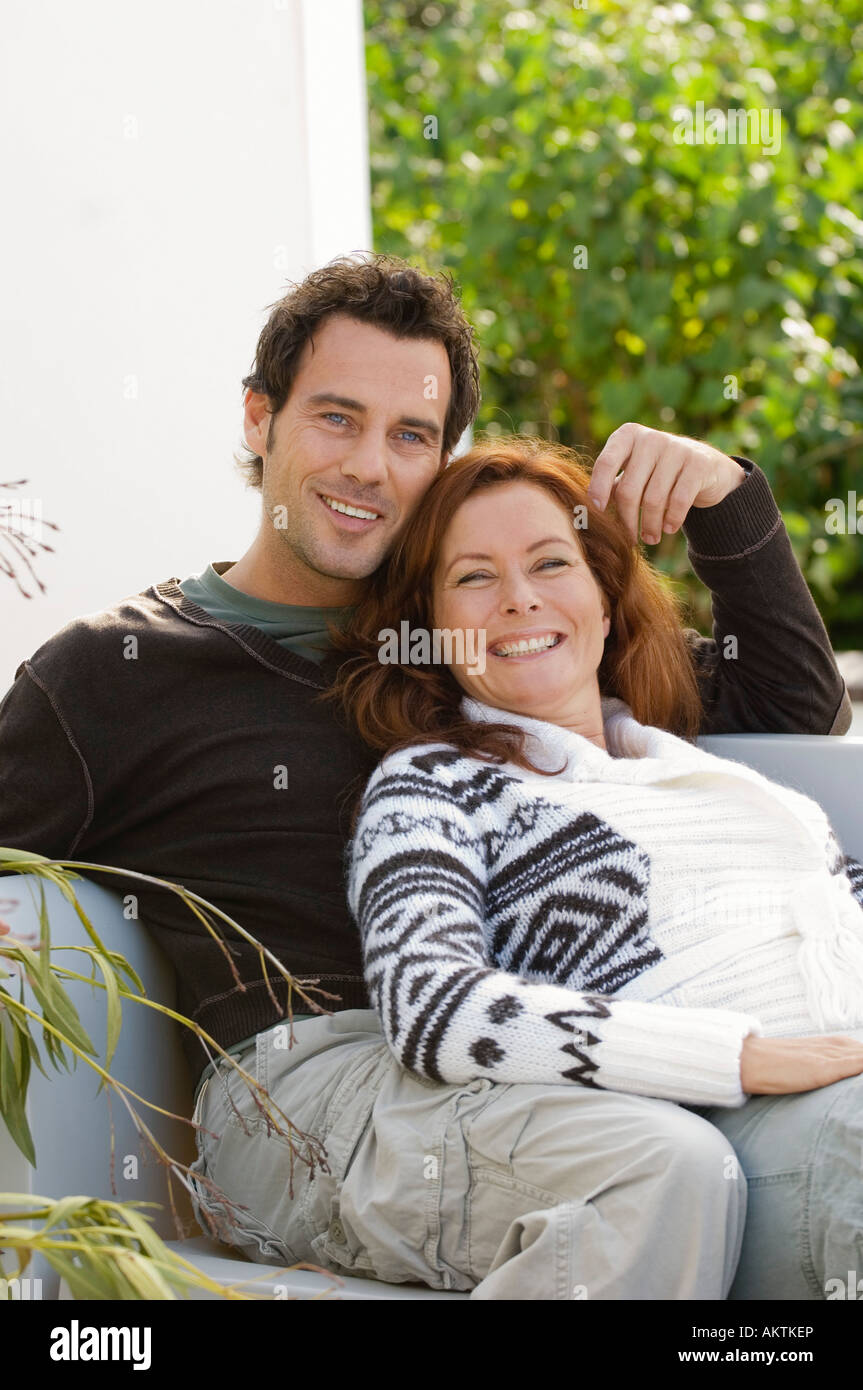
526 693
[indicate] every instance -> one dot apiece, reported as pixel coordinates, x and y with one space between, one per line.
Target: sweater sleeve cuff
686 1055
742 522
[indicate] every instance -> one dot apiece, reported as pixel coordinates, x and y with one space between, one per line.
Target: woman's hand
782 1066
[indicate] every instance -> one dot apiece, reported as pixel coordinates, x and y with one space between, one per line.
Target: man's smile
349 516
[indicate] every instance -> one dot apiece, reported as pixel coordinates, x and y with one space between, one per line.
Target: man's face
361 428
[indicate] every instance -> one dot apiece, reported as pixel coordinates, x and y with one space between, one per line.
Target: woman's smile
526 646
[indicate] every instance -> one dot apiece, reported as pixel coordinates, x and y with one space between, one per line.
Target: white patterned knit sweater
623 924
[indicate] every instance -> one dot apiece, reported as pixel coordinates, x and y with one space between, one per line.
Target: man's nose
367 460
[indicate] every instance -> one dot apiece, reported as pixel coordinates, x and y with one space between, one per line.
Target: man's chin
335 564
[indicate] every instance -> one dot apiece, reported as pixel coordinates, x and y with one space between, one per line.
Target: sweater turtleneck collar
554 747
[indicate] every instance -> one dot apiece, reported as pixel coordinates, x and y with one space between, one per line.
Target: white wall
166 168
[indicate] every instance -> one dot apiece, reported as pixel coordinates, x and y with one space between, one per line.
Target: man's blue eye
337 415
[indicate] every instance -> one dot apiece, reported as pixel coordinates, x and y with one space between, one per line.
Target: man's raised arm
769 666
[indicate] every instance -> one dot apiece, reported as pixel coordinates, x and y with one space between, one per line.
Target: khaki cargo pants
511 1191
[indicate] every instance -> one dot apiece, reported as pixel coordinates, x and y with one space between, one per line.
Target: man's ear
445 461
256 421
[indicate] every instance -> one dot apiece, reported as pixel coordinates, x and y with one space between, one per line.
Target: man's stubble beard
300 538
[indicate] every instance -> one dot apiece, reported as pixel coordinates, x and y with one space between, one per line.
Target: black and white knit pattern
840 863
625 924
585 928
491 920
853 870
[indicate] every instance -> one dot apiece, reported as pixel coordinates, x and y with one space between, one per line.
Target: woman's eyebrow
547 540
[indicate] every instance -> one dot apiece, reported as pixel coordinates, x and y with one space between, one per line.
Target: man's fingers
609 462
629 490
680 498
664 482
652 473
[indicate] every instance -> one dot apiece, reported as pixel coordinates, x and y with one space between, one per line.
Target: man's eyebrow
325 398
547 540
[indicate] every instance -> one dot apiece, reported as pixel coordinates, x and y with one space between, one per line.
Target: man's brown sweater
153 737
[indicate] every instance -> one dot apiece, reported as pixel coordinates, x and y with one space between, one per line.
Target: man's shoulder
89 637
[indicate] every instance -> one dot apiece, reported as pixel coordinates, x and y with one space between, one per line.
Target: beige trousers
511 1191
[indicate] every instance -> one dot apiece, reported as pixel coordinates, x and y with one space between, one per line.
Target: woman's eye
481 574
477 574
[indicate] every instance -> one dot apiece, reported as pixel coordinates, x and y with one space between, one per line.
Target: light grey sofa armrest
71 1125
828 769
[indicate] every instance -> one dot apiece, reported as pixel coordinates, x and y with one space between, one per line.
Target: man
181 733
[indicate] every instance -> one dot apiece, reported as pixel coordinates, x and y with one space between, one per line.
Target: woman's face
511 565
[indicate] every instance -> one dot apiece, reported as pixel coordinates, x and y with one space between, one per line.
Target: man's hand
663 475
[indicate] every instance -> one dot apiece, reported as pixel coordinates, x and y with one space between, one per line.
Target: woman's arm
784 1066
416 886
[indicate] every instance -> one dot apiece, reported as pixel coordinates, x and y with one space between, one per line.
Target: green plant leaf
71 896
22 1023
44 952
57 1007
12 1106
87 1279
21 1056
121 964
142 1275
22 856
71 1208
114 1009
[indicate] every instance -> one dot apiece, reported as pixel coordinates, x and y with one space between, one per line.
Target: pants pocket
496 1201
338 1247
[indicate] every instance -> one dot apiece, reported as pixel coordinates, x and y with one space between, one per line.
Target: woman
552 883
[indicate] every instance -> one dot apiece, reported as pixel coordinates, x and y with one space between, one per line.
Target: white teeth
530 644
350 511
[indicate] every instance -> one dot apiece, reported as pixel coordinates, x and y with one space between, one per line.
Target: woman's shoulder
436 769
421 760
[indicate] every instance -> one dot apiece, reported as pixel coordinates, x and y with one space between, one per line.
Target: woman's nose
519 598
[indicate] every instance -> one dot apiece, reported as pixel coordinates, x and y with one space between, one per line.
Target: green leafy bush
721 298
